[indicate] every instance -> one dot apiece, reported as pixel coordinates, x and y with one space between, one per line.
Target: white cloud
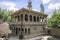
55 1
54 6
36 10
46 1
12 8
9 5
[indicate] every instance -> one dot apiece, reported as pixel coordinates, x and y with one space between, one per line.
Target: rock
4 29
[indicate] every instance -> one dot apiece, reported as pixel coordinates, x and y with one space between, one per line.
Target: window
28 30
22 29
45 19
18 18
30 17
19 29
34 18
40 19
26 17
15 16
37 19
25 31
14 28
21 16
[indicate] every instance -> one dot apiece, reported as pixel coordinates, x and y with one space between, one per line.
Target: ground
35 38
13 38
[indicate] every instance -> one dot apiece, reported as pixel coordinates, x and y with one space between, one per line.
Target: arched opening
15 16
21 17
26 17
37 19
40 19
22 29
34 18
18 18
28 30
25 31
17 31
30 17
14 28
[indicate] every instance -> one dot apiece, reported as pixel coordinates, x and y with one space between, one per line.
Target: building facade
28 22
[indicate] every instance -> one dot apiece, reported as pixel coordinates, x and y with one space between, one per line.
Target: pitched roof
24 9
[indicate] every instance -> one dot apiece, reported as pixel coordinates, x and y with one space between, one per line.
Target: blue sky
49 5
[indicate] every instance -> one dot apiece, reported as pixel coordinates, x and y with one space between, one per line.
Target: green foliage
54 21
5 15
42 8
1 13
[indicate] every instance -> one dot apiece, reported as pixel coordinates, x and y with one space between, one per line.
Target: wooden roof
24 9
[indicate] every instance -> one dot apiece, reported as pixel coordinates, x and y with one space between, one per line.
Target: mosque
28 23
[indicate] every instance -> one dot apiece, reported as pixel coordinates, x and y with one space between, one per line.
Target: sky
49 5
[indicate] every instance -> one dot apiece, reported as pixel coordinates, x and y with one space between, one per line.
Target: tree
1 13
54 21
42 8
5 14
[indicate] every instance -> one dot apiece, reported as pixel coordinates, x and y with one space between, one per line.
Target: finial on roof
29 4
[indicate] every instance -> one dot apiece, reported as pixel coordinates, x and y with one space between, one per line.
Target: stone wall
54 32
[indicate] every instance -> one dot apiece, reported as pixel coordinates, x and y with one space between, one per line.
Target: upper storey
29 16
